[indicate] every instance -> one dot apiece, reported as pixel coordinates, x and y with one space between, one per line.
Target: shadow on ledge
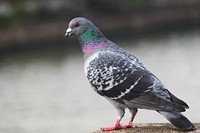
152 128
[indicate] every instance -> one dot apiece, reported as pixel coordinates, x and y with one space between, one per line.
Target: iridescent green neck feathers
90 35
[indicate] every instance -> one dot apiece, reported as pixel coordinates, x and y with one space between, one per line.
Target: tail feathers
178 101
178 120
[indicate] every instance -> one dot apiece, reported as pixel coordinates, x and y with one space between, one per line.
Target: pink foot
115 127
118 126
129 125
112 128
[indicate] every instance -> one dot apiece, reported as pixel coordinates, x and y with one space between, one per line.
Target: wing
115 76
126 80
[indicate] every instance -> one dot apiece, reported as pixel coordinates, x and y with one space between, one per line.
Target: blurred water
47 91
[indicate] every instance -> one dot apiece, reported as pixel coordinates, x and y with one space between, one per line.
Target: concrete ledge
152 128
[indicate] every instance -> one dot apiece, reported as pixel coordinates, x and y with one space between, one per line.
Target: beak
68 32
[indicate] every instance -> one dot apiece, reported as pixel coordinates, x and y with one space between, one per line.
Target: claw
112 128
129 125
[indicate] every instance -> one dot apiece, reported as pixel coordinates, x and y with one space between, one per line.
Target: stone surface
152 128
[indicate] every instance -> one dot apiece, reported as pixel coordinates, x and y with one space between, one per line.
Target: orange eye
76 24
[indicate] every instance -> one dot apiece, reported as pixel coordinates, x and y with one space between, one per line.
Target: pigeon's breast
89 60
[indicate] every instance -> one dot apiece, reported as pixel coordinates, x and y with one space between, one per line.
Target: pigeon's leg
120 112
130 123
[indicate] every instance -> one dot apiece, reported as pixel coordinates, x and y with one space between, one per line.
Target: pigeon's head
77 26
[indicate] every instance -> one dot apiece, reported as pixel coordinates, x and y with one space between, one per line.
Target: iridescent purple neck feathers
89 48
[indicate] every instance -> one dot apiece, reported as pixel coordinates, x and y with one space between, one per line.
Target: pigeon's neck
92 40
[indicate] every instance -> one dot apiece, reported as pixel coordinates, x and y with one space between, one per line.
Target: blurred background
42 83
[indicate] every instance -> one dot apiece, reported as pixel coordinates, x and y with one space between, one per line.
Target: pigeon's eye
76 24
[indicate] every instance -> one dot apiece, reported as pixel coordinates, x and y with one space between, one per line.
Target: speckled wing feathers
113 76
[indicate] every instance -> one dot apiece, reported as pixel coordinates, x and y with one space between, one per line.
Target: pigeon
123 80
